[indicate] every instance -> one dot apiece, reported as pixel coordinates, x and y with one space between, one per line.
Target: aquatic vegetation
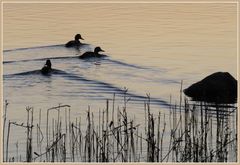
188 132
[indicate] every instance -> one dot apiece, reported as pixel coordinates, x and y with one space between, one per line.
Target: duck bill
102 50
81 38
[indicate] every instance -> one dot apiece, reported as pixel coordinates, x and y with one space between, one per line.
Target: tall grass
198 132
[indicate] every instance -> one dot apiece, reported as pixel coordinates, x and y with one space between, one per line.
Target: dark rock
219 87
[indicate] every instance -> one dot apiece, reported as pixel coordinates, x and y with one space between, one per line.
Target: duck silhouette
74 43
47 68
93 54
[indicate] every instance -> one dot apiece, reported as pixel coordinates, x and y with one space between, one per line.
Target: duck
93 54
47 68
75 42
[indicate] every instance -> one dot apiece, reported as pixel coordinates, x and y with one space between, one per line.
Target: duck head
49 64
78 37
97 50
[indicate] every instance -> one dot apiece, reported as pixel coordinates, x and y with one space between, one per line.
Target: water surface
151 48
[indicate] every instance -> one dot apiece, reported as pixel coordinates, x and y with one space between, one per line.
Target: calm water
151 48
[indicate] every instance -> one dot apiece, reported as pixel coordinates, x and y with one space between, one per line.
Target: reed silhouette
188 132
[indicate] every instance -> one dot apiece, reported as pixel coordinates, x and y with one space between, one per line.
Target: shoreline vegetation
188 132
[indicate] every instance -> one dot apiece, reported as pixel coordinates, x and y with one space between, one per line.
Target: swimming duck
75 42
47 68
93 54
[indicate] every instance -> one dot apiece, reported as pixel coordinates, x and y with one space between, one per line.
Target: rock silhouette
219 87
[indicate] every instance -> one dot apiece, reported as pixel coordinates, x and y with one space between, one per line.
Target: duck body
91 55
74 43
94 54
46 70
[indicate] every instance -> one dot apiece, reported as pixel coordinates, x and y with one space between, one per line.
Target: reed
198 132
4 125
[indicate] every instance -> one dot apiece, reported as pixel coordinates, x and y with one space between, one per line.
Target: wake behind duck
46 70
